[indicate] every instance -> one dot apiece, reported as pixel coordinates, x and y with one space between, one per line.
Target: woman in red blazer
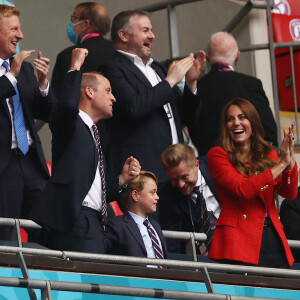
246 173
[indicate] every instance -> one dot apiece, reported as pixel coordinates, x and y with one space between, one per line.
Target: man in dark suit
178 207
129 234
89 23
146 118
221 85
73 204
23 170
290 219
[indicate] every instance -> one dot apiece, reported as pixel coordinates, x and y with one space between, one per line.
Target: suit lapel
134 230
132 68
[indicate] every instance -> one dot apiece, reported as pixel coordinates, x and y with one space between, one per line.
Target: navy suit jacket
74 163
123 237
140 125
34 107
174 211
216 89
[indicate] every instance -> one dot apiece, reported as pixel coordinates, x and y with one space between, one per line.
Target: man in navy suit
128 234
146 118
177 204
23 170
73 204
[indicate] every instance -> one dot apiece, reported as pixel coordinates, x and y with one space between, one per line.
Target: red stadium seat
115 206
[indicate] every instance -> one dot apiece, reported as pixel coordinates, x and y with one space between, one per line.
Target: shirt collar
135 59
2 60
86 118
138 219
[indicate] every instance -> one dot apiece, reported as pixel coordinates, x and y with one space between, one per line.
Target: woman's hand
291 146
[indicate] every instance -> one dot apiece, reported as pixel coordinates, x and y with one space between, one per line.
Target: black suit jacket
290 218
74 162
174 208
100 50
140 126
34 107
123 237
217 88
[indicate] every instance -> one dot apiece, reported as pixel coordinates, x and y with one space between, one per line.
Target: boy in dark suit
134 233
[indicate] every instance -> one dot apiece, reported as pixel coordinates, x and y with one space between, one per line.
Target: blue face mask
73 37
181 84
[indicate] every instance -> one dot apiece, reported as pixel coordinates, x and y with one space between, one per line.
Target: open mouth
147 45
239 131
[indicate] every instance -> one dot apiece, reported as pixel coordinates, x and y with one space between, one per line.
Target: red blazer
245 202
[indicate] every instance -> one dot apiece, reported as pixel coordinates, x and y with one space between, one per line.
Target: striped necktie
102 173
155 244
204 221
18 117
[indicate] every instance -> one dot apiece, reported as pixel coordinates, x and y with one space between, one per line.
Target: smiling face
10 35
146 199
139 37
184 177
239 127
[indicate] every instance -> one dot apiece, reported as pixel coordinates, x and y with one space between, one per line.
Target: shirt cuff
45 92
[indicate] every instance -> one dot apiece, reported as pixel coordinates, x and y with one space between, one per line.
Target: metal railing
47 286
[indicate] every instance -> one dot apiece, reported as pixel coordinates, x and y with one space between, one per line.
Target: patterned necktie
18 117
101 169
204 221
155 244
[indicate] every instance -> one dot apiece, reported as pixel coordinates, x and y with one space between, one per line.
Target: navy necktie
204 221
155 244
18 117
101 169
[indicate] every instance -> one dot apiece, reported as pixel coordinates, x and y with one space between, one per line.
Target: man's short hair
99 21
175 154
121 21
136 184
90 79
7 11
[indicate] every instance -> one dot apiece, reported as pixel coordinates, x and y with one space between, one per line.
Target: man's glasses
73 18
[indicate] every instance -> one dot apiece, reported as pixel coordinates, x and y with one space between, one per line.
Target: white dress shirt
13 80
154 79
211 203
93 199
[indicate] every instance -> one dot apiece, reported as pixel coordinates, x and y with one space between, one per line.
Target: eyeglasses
73 18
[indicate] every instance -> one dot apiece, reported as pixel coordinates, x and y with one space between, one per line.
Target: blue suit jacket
74 163
140 126
174 212
123 237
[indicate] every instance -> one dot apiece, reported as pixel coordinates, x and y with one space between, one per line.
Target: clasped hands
287 147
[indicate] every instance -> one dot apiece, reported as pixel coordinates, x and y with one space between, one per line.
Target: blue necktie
18 116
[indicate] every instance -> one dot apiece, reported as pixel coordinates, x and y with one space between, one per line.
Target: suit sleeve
133 103
111 237
290 216
228 178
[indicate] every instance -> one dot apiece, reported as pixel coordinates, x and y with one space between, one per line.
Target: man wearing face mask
90 21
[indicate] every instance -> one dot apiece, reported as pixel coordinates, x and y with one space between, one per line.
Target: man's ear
89 92
123 35
135 195
237 56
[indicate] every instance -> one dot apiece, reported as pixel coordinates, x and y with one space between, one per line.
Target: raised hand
291 134
177 70
18 60
131 169
78 57
195 71
42 67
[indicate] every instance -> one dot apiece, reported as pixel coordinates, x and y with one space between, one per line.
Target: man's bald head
223 48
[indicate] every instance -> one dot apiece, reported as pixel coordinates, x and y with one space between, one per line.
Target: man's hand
78 57
42 67
18 60
177 70
194 72
131 169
